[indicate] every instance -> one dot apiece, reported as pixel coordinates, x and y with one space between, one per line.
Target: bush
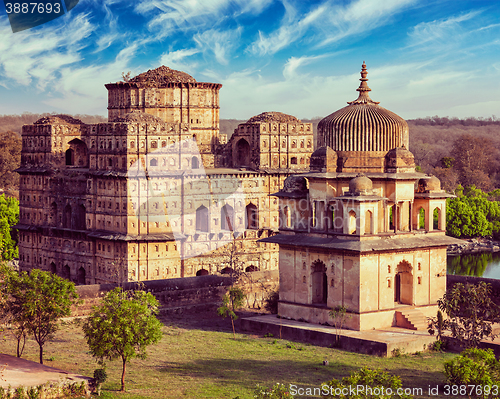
278 391
473 367
271 302
379 381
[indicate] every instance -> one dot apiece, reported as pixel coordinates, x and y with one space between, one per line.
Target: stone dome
429 185
136 116
295 183
58 119
363 125
279 117
360 185
324 159
160 77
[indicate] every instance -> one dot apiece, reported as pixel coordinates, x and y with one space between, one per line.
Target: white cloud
176 59
329 22
39 53
293 63
441 33
221 43
171 15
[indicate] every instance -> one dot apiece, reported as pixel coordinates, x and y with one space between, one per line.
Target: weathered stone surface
279 117
58 119
160 76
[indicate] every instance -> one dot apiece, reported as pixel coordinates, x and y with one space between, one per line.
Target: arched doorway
227 217
202 272
66 272
403 287
53 268
319 282
81 276
242 153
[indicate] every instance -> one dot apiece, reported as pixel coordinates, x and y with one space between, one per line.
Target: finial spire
363 89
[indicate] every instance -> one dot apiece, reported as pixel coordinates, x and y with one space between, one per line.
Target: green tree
9 216
233 300
10 159
38 300
339 315
474 367
123 326
471 312
11 309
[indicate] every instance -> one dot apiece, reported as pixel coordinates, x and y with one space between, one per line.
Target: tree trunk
19 349
123 374
41 353
232 323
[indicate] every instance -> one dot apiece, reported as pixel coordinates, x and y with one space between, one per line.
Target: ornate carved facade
155 192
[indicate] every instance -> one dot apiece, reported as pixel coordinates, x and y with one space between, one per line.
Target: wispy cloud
327 23
220 43
40 53
294 63
177 59
172 15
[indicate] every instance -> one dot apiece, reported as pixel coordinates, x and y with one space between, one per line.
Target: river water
481 264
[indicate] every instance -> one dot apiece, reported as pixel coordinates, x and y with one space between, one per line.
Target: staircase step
415 319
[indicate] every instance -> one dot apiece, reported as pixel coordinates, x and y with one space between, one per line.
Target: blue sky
303 58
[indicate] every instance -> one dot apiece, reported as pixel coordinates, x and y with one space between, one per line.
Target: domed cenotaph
362 229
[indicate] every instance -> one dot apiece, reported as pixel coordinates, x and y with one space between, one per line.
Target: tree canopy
123 326
37 300
472 214
9 216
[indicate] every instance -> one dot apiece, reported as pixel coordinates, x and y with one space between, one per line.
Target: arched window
421 218
252 217
67 217
319 282
227 217
436 219
352 222
66 272
53 268
293 160
287 213
368 222
242 155
153 162
70 157
202 272
202 219
194 163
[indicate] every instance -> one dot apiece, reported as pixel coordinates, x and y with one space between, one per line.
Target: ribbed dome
363 125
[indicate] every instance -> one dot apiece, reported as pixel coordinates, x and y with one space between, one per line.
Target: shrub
379 381
278 391
473 367
271 302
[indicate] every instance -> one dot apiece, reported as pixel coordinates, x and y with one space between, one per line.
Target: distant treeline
458 151
14 123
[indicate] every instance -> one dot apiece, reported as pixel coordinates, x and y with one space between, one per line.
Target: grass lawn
198 358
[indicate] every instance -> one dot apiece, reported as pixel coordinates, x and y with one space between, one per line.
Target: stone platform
16 372
373 342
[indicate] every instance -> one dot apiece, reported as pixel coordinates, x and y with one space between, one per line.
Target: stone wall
181 295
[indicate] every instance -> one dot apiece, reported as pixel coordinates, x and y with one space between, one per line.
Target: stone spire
363 89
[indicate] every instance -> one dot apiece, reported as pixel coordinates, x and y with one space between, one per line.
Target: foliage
232 301
474 367
271 302
438 325
278 391
9 216
10 159
340 316
472 214
378 380
471 312
36 301
123 326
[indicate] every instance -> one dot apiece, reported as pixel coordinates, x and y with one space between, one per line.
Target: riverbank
474 245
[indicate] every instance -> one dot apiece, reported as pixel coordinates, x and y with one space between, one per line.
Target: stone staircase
412 319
